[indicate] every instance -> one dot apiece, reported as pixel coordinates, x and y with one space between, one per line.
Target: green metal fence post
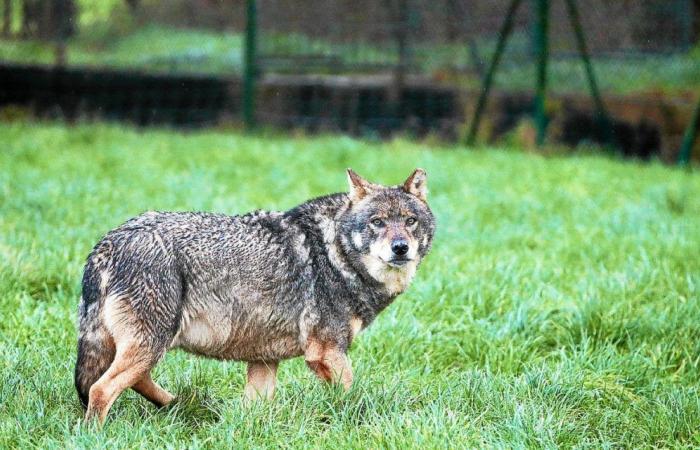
542 51
689 137
503 34
250 71
601 112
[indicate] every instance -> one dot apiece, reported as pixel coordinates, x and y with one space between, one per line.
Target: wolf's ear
359 187
417 184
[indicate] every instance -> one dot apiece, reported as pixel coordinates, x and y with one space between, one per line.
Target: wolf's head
387 230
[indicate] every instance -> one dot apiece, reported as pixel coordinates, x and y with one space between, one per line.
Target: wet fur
260 287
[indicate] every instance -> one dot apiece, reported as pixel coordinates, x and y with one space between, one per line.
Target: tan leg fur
152 392
260 381
131 364
329 363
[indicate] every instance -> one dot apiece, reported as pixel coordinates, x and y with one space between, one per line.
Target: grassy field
559 306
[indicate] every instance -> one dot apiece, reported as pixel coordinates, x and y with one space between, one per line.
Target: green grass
559 306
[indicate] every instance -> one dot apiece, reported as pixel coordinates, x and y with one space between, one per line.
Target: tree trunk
133 5
696 21
60 54
398 11
453 20
28 17
7 18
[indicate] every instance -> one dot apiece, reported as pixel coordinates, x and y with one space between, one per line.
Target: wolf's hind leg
131 364
152 392
260 380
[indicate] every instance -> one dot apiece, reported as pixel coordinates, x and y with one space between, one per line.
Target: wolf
260 288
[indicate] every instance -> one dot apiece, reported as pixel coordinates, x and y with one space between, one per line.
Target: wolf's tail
95 352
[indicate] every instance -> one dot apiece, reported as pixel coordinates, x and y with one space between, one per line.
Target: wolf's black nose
399 247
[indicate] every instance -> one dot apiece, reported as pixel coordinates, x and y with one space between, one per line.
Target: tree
7 18
50 20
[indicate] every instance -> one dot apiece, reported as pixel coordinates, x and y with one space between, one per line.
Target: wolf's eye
410 221
377 222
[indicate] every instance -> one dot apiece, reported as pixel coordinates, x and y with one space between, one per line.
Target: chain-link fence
367 67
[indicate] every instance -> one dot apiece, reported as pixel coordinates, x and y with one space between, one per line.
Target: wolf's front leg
329 362
260 380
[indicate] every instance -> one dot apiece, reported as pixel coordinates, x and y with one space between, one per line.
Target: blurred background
560 305
622 74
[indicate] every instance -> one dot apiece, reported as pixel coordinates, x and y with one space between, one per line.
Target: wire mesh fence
369 67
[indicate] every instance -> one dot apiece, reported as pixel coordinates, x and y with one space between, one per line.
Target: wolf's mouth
398 262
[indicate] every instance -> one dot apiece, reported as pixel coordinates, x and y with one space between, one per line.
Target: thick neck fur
365 286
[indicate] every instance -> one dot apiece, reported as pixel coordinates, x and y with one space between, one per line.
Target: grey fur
254 287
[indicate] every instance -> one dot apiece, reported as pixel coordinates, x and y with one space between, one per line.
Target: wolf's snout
399 247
